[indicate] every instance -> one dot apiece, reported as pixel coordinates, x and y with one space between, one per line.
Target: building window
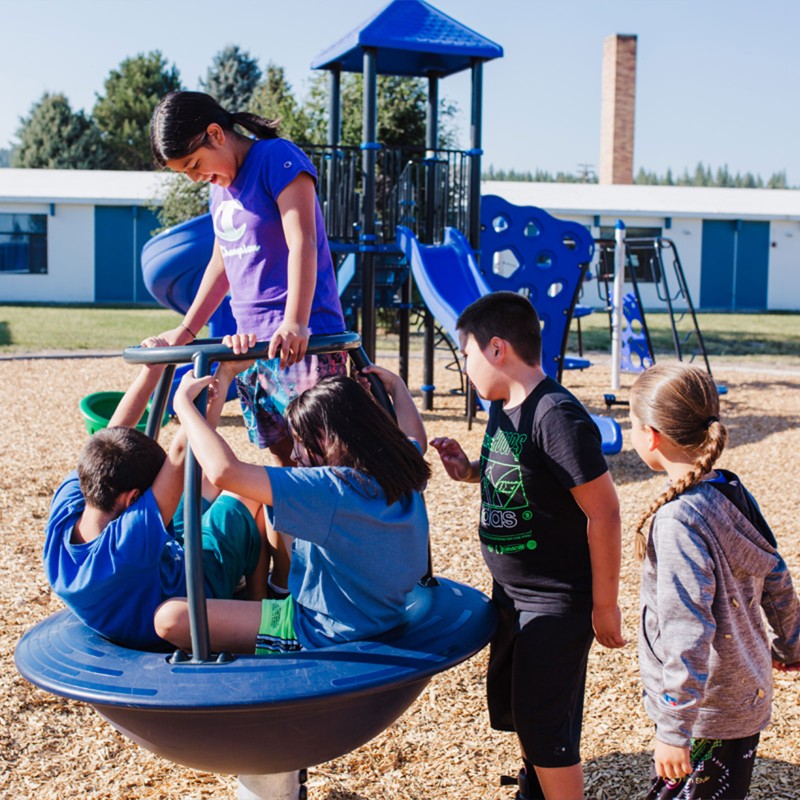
23 244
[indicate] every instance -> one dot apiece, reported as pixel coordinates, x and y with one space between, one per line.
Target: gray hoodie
704 652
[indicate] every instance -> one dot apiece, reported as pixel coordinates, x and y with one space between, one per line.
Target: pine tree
232 78
55 137
402 111
274 99
123 112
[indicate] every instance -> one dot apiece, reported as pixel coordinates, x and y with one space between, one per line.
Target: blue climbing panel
526 250
635 355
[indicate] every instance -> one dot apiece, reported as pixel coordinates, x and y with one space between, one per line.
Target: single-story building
75 236
739 248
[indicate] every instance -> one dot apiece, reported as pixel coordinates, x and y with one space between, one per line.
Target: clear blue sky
717 79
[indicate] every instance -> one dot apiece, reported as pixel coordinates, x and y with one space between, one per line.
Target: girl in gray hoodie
710 568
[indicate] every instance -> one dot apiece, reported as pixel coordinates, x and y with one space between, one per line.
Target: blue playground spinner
251 715
256 715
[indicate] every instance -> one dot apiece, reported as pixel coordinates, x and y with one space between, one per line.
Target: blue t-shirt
115 583
354 559
249 230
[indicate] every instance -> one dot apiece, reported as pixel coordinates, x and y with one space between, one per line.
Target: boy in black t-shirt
550 535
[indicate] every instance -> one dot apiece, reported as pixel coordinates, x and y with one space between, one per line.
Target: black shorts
536 680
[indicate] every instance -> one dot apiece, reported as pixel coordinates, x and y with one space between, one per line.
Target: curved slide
173 263
449 280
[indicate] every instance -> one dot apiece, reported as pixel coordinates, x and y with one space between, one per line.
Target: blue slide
173 263
449 279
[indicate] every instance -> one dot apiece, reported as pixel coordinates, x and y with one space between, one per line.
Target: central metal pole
192 509
367 238
279 786
616 303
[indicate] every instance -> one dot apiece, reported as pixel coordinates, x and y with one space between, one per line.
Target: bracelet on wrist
189 330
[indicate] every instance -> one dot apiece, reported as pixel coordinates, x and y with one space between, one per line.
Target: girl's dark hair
341 425
180 122
116 460
681 402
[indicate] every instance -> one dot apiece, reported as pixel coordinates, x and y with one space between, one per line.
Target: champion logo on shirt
227 231
669 700
224 226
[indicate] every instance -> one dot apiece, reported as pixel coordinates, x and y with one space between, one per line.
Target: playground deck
442 749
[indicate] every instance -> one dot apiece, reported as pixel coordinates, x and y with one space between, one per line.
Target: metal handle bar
213 350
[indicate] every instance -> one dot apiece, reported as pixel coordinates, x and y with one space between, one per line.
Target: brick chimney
617 109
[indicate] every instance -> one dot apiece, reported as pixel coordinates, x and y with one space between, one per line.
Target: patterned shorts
265 390
721 768
276 634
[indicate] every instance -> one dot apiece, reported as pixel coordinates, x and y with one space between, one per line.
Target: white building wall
783 287
70 257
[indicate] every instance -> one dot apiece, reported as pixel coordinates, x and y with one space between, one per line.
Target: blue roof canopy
413 39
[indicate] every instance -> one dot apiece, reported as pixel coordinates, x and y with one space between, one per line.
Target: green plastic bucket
98 408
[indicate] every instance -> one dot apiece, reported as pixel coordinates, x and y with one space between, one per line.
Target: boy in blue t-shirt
111 552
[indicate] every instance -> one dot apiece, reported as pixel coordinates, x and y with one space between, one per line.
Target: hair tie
709 421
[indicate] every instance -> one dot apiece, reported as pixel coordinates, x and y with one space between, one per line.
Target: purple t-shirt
248 228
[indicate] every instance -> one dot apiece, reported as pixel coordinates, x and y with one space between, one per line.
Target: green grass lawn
38 328
775 335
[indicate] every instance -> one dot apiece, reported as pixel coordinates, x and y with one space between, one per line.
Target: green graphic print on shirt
506 512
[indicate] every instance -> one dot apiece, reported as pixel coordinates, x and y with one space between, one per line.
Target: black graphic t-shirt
533 533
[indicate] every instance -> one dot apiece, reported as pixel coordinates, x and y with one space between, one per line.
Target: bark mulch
443 746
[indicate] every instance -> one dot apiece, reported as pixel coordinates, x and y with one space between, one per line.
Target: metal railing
426 190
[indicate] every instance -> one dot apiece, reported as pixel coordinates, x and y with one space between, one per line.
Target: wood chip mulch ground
442 747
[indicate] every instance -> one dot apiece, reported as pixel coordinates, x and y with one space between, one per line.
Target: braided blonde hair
681 402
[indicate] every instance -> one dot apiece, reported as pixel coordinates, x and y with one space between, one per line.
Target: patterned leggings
722 771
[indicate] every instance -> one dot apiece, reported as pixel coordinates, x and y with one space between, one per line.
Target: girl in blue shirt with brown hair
353 507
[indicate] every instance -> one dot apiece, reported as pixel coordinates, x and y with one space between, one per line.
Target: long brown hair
340 425
681 402
180 121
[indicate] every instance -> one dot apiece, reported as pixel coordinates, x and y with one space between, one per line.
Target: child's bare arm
169 483
455 460
598 500
217 459
212 290
408 419
134 402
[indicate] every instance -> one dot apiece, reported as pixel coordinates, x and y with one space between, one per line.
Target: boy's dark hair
341 425
509 316
180 121
116 460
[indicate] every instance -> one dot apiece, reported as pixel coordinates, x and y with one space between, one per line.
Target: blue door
752 266
119 235
734 265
